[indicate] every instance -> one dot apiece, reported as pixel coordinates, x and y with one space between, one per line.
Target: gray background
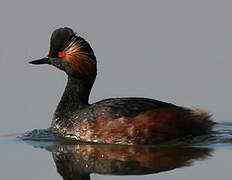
176 51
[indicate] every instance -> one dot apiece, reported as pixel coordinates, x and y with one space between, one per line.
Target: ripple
38 135
222 134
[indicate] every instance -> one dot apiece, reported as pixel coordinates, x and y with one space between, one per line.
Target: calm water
38 154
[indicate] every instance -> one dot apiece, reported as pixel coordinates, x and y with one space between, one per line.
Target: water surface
37 154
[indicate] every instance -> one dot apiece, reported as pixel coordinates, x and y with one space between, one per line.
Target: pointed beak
45 60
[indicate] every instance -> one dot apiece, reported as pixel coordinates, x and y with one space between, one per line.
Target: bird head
70 53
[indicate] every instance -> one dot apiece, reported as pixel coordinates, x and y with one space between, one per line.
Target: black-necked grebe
117 120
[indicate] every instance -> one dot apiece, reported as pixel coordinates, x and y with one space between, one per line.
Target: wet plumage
117 120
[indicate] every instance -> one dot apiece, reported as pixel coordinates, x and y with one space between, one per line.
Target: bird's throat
75 97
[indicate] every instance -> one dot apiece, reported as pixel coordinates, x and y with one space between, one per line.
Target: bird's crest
76 54
69 47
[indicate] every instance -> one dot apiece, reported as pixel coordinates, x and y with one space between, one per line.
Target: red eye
61 54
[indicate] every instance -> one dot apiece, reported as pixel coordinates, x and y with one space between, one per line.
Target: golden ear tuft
79 60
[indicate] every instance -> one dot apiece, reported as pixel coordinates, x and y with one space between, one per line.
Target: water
37 154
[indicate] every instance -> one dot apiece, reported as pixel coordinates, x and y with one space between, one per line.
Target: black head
70 53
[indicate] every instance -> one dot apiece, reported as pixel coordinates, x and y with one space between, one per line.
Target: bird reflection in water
77 162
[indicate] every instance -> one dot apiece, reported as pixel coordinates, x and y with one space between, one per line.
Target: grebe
117 120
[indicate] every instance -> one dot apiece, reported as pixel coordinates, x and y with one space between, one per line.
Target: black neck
75 97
